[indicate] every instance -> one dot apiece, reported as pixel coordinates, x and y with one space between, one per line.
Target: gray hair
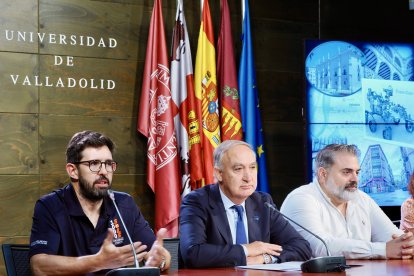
224 147
325 157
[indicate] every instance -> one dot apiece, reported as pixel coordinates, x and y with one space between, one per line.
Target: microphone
319 264
130 271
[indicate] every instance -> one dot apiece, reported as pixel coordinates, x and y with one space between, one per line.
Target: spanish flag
205 84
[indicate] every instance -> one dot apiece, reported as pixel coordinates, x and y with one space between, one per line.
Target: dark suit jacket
205 237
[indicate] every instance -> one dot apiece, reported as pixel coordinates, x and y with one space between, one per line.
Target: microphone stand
319 264
130 271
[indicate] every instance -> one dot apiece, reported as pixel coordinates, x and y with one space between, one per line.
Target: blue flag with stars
249 102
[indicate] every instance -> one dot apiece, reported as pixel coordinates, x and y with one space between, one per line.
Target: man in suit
215 234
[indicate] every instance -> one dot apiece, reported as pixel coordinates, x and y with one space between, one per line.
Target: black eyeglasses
96 165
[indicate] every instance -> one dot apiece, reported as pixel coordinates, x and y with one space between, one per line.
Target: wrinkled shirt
362 234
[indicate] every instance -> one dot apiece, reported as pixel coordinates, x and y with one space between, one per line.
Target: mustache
100 179
352 184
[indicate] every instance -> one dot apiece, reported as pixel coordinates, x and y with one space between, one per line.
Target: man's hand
401 247
114 257
259 248
158 256
259 259
108 257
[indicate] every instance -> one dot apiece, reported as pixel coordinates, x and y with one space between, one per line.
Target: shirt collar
227 202
327 198
74 207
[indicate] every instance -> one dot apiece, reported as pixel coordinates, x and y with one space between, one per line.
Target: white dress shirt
232 216
363 233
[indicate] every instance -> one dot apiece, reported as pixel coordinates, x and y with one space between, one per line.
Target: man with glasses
76 229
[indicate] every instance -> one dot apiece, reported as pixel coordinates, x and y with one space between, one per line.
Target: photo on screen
362 93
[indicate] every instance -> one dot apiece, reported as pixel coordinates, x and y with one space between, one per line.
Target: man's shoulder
260 196
54 197
304 194
53 203
124 199
202 197
304 190
203 191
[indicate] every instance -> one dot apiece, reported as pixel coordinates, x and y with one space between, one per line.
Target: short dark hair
85 139
325 157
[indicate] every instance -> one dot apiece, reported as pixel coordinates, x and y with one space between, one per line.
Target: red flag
187 123
206 91
155 121
230 117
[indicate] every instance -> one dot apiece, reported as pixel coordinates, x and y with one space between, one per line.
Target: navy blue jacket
205 236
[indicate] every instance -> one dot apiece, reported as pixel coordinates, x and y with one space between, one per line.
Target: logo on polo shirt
38 242
118 238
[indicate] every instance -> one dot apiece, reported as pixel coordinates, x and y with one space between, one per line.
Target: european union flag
249 102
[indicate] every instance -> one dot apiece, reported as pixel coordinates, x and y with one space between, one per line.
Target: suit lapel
218 212
253 220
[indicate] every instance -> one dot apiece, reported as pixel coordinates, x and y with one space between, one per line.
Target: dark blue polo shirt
60 227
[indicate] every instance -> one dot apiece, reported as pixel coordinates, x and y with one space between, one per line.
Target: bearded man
347 219
76 229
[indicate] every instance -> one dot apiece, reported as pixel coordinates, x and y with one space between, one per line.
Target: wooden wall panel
17 197
93 19
51 182
18 144
88 101
56 131
18 15
18 65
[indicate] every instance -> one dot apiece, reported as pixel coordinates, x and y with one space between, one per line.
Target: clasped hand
255 251
401 247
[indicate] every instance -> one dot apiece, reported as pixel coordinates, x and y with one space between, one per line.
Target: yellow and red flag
156 122
187 122
205 83
230 117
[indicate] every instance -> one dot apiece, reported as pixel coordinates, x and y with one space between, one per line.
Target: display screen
362 93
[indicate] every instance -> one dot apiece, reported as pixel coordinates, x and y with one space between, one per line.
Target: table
364 268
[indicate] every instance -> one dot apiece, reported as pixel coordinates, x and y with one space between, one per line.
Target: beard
89 191
342 192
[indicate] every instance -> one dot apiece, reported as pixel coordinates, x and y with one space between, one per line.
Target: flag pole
243 7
